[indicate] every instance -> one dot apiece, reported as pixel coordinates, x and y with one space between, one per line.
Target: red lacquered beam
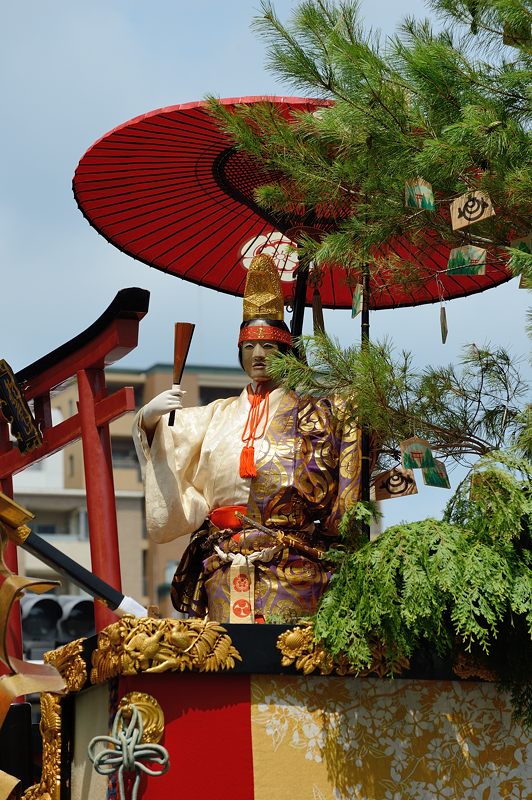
54 439
99 483
108 339
119 339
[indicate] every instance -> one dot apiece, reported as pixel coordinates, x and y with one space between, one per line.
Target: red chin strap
267 333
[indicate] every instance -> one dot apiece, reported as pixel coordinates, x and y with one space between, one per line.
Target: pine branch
462 413
419 103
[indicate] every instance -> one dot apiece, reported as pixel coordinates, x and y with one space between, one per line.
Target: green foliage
452 106
354 524
462 411
419 103
464 582
461 583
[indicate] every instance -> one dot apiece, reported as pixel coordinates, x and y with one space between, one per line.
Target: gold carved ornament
25 677
16 411
69 662
49 787
299 647
132 646
150 711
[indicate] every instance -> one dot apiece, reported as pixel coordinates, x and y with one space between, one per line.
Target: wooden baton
182 337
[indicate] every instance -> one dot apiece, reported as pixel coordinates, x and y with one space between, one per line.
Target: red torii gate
85 356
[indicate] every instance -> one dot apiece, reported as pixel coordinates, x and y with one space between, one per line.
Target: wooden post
101 511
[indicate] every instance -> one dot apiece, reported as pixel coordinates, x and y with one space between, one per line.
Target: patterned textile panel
263 737
345 738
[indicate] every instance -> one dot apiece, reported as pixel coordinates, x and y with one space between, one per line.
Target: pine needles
453 106
421 102
462 411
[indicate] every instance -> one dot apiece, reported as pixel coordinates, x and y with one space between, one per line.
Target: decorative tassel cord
258 414
127 752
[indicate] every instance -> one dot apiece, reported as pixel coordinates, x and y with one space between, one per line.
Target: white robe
194 466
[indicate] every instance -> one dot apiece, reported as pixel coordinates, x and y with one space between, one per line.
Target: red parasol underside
169 189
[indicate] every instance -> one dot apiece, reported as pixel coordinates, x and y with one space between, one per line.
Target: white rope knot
127 752
240 560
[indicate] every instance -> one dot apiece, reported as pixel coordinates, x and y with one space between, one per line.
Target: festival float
240 701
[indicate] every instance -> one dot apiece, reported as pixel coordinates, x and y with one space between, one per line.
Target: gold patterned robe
308 474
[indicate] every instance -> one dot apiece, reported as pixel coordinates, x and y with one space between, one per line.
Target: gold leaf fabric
371 739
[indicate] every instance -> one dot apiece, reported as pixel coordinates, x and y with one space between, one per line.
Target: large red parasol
169 189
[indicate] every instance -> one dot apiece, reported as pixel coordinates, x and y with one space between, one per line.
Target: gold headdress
263 297
263 300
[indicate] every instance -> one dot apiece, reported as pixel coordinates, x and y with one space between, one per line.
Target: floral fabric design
319 738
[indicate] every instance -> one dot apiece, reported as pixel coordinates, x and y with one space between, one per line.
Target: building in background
54 490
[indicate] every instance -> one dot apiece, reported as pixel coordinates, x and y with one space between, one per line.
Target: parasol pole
300 294
300 291
365 470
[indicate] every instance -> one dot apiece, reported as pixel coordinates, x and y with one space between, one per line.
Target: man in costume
289 463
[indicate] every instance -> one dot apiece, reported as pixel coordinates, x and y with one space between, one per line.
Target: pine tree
424 102
449 104
464 411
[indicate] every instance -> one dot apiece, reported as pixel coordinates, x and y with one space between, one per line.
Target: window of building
124 454
45 528
71 466
209 393
52 523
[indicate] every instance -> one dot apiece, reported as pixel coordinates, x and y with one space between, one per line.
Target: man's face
254 355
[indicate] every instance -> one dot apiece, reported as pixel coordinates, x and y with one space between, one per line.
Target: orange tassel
247 462
258 413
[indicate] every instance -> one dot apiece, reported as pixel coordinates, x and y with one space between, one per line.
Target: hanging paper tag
443 324
242 593
436 475
394 482
419 194
469 208
358 295
467 260
416 453
524 243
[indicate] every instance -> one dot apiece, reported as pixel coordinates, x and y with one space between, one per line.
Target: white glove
170 400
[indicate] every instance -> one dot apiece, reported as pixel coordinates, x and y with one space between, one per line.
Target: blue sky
69 72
